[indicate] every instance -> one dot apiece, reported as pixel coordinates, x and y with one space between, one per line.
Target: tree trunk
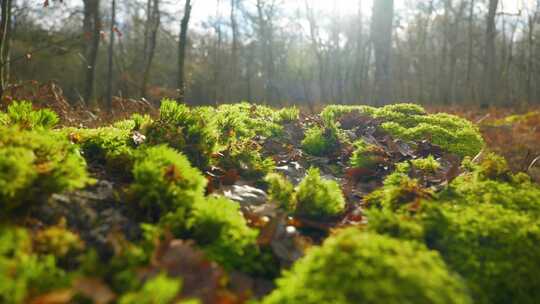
182 50
5 37
490 68
470 49
381 36
111 54
151 35
91 28
234 53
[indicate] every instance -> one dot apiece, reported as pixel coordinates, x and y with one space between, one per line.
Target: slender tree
91 28
381 36
153 21
489 90
111 56
182 43
5 37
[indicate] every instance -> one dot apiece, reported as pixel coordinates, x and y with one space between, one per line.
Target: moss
287 115
331 114
280 190
428 164
366 155
492 184
355 267
318 198
246 158
320 141
220 229
108 146
158 290
22 272
165 181
23 115
244 121
411 123
398 190
184 130
35 164
135 123
493 248
57 240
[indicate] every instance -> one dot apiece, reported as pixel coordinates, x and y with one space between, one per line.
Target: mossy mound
365 155
185 130
410 122
321 141
165 181
484 224
314 197
35 164
220 229
357 267
22 272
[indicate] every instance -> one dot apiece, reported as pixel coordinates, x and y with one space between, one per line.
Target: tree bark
182 50
111 59
381 36
91 28
490 68
5 37
151 35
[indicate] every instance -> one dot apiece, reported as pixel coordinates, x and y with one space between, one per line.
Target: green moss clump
109 146
23 273
135 123
493 248
160 289
165 181
35 164
23 115
57 240
331 114
366 155
411 122
245 157
356 267
185 130
428 164
320 141
220 229
398 190
280 190
316 197
492 183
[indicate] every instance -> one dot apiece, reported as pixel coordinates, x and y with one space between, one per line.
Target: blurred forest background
306 52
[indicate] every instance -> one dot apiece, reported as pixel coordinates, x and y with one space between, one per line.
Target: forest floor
214 203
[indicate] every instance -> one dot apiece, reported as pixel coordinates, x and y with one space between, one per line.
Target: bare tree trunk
315 42
5 37
490 69
91 28
234 53
111 59
381 35
151 35
469 83
530 66
182 43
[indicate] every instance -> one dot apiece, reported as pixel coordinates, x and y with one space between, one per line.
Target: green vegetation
22 272
410 122
36 163
314 197
165 181
185 130
320 141
356 267
221 230
424 236
366 155
484 224
23 115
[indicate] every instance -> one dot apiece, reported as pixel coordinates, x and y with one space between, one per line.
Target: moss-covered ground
246 203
